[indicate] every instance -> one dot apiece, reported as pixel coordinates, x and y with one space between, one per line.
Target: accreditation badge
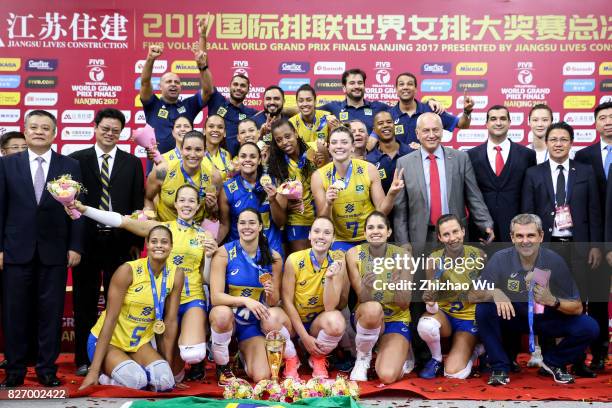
563 217
162 113
399 129
343 116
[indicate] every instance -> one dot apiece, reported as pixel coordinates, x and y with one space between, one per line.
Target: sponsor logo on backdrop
516 135
578 85
140 152
472 135
478 119
154 83
10 115
294 67
159 66
436 68
9 98
436 85
579 102
184 67
472 85
241 67
10 81
41 65
328 84
40 99
190 84
329 67
605 85
383 88
585 135
96 90
77 116
579 118
605 98
10 64
480 101
4 129
139 118
445 100
292 84
77 133
525 91
516 118
472 68
578 68
41 82
127 114
605 68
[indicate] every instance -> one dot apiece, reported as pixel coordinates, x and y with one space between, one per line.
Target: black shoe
12 380
515 367
498 378
196 372
3 364
559 374
581 370
49 380
82 370
598 363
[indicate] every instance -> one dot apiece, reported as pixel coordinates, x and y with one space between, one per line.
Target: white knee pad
461 375
160 375
129 374
429 328
193 354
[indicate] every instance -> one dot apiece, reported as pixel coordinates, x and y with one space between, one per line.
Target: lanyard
178 153
251 262
315 263
347 178
158 302
300 163
530 305
188 179
223 159
184 223
322 123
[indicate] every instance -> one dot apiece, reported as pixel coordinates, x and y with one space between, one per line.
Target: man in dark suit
599 156
114 181
499 166
563 193
37 242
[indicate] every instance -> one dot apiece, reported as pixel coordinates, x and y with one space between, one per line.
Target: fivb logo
9 115
96 71
524 75
241 67
383 72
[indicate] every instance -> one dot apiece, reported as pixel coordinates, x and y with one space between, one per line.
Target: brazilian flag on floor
195 402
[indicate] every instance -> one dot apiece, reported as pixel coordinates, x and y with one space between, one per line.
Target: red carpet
525 386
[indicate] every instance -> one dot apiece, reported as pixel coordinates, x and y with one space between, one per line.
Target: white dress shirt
111 159
554 171
492 153
604 152
34 164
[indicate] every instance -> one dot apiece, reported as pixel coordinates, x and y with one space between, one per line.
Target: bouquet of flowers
267 390
316 387
145 137
238 389
64 189
342 387
291 390
292 190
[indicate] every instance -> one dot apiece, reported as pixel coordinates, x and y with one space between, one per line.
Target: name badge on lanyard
563 217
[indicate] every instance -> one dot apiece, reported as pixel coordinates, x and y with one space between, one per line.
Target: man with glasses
12 142
115 182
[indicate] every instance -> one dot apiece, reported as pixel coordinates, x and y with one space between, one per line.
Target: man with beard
273 102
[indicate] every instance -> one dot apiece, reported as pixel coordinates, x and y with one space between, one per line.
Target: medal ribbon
158 302
315 263
347 178
223 159
188 179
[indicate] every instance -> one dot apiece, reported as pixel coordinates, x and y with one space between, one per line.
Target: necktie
39 179
104 178
560 195
499 161
435 205
608 161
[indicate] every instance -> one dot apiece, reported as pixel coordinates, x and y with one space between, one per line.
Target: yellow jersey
186 255
353 204
453 301
135 322
172 155
296 173
175 178
221 161
310 133
365 263
309 281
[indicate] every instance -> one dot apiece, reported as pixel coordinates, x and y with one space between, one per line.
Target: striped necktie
105 179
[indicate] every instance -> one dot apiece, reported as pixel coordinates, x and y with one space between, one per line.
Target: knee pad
193 354
428 328
160 375
129 374
461 375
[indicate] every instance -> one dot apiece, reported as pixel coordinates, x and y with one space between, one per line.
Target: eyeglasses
17 147
112 131
562 140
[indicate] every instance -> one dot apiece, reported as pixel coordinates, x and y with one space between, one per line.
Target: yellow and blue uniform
172 155
221 161
310 133
396 319
175 178
240 196
353 204
309 281
135 321
460 313
298 224
242 280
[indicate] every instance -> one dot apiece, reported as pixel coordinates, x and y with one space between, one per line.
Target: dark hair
277 165
341 129
157 228
187 186
212 116
496 107
245 121
4 139
446 218
243 77
411 75
110 113
380 214
194 134
602 106
307 88
40 112
183 117
262 242
560 125
540 106
278 88
261 195
353 71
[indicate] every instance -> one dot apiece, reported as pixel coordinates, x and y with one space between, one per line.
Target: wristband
557 304
204 68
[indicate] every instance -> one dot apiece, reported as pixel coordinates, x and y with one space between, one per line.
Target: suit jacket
608 215
502 194
412 206
126 190
27 228
582 197
592 155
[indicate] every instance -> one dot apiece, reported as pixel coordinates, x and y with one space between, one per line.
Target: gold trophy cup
275 348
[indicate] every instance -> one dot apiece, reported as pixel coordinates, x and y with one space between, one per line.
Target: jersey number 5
136 334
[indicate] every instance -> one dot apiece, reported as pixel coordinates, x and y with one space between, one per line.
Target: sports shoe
498 378
196 372
433 368
559 374
224 374
81 371
291 368
319 366
536 358
360 370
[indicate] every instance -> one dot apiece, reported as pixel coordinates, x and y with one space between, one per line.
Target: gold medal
159 327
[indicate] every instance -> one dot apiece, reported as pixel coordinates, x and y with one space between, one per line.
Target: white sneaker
360 370
536 358
409 363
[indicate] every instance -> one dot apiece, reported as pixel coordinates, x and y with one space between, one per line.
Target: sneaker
536 358
319 366
409 363
224 374
433 368
81 371
196 372
360 370
559 374
291 368
498 378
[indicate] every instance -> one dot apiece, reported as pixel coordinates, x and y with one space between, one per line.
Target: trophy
275 347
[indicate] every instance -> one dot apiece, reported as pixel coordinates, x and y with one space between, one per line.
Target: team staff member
381 314
310 123
181 126
12 142
360 138
216 159
143 300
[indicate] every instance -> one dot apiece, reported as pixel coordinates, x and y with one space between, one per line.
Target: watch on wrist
557 303
204 68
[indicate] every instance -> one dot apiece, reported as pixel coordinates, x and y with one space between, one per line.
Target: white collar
554 165
100 152
505 145
46 155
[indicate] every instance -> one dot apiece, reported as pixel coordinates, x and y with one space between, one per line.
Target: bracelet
204 68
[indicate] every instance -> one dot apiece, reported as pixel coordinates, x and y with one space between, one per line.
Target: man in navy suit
38 241
563 193
499 166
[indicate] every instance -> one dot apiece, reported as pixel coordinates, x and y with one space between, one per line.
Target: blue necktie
608 161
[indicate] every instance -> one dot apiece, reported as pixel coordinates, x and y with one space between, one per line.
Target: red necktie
499 161
435 205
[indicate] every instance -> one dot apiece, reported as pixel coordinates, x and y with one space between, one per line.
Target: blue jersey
386 165
241 196
405 126
364 113
242 279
